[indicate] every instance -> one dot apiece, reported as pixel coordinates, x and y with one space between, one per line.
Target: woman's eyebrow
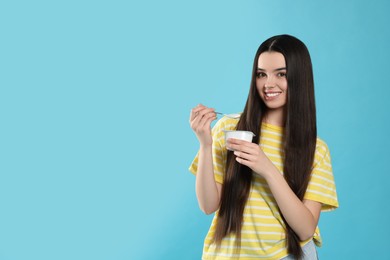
278 69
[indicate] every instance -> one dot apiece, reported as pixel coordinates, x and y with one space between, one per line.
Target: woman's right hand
200 121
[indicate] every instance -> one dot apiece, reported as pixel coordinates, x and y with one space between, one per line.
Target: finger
200 120
246 156
198 109
240 145
238 141
243 161
195 111
211 118
205 110
202 112
206 118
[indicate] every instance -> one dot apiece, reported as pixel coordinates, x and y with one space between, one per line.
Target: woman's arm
207 190
302 216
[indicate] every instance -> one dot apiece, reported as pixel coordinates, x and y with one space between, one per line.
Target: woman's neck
275 117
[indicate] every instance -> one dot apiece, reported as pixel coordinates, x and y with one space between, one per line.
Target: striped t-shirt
263 230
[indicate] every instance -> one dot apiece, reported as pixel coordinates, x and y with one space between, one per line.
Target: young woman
267 194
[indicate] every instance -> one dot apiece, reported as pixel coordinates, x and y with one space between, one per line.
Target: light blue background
94 105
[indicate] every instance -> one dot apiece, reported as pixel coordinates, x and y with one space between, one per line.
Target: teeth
272 94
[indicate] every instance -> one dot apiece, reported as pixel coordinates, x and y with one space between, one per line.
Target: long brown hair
299 139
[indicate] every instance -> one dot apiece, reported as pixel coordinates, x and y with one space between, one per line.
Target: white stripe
250 224
249 248
230 126
276 156
271 147
328 164
322 194
276 241
324 171
263 192
243 255
264 225
258 216
218 173
324 178
257 199
218 165
216 156
257 183
260 201
274 216
261 232
271 132
322 186
271 139
268 217
257 207
266 194
322 147
219 139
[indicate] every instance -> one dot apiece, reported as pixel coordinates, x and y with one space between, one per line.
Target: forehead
271 60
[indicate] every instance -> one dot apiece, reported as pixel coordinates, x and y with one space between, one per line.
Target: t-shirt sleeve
322 186
219 153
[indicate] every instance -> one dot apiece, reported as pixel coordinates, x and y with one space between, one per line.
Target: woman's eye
282 74
260 74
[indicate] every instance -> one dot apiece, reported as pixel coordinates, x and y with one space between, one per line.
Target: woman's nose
270 82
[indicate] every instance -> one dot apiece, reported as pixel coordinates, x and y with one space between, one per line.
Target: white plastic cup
238 134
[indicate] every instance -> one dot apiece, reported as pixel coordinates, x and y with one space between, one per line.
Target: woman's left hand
251 155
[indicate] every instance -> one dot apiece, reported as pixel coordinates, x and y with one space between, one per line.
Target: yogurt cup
238 134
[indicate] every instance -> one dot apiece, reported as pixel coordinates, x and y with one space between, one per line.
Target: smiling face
271 80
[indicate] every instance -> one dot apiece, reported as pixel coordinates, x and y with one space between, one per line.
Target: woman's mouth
272 95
